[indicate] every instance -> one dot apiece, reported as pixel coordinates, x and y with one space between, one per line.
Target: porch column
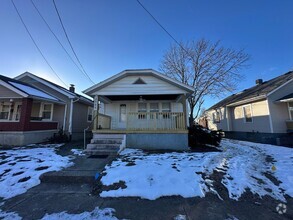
25 115
96 112
183 101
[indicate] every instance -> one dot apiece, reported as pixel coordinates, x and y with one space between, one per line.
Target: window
89 114
17 112
47 110
290 106
247 113
166 107
142 109
216 117
122 113
4 111
154 107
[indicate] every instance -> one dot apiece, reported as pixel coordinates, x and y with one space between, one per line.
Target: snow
156 175
9 215
99 214
78 152
243 165
32 91
21 168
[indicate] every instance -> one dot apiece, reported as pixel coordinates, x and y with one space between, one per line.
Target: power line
55 36
165 30
22 21
85 73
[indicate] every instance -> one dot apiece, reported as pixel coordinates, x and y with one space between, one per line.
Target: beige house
265 108
143 107
73 116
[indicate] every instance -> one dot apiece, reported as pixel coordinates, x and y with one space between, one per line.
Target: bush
60 137
199 136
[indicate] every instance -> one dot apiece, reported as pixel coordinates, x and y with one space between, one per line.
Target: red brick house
26 113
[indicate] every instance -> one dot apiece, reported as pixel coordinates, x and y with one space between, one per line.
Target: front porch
160 122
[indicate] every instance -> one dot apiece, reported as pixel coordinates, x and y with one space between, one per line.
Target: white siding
153 85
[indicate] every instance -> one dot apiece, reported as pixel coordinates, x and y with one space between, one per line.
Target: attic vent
139 81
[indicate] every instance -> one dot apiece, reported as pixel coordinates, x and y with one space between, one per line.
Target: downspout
64 120
70 117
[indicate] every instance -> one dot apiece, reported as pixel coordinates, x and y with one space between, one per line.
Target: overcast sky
110 35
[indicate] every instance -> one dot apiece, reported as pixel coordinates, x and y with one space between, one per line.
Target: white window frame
154 110
16 104
142 112
1 108
42 110
289 110
90 110
215 116
243 114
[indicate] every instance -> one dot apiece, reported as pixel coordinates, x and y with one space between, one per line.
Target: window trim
289 111
9 111
243 115
215 115
88 108
42 110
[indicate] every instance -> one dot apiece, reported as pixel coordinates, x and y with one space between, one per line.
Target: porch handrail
155 121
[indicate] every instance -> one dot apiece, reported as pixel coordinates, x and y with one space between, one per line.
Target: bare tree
210 68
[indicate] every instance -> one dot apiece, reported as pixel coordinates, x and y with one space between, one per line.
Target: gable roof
26 90
56 87
256 92
139 72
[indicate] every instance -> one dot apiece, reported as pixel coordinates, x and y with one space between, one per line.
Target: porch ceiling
137 97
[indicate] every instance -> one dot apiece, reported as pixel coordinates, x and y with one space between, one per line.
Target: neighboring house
265 108
148 108
75 113
27 114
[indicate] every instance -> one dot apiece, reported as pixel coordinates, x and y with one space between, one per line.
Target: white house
144 107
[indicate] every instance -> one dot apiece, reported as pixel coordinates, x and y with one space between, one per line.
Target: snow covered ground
97 213
21 168
244 165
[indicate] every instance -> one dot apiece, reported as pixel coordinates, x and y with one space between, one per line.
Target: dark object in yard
98 156
18 173
24 179
199 136
42 168
60 137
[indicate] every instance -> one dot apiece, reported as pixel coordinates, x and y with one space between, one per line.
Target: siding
79 120
58 115
7 93
153 86
222 125
260 118
279 111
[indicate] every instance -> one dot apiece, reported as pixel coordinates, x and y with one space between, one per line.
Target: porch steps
105 144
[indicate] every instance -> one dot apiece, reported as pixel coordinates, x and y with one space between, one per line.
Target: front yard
241 166
224 178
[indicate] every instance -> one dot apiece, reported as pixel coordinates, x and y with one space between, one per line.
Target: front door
122 116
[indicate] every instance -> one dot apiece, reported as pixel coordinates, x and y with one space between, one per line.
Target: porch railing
104 121
155 121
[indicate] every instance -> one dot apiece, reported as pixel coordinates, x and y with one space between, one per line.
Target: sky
110 35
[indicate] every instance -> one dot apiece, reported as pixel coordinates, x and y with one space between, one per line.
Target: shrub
60 137
199 136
